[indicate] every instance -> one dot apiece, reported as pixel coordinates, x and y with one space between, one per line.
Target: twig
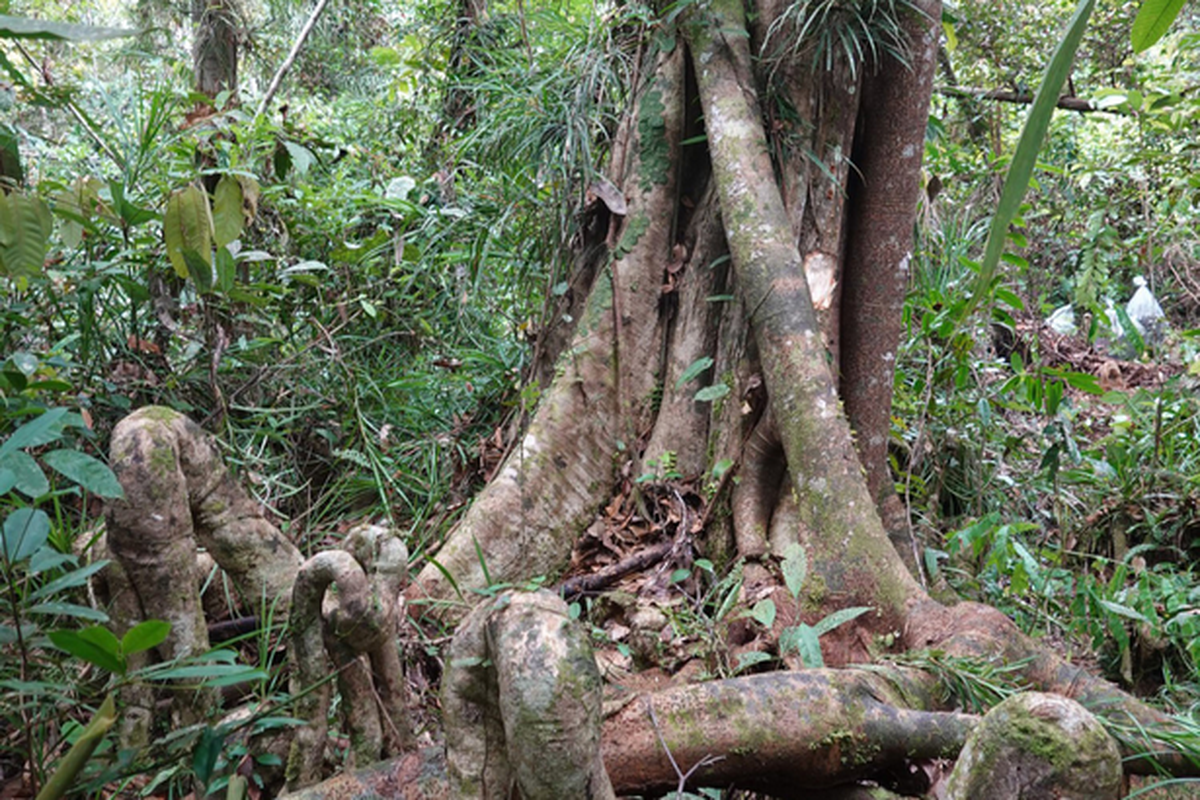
1068 102
228 629
71 107
291 58
707 761
602 579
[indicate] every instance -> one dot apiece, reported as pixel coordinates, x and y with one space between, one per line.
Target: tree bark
215 48
883 206
544 495
836 516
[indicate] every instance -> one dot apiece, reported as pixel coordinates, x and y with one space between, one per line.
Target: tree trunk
724 274
884 193
215 46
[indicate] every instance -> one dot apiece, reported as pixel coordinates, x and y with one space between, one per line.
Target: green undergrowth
1070 506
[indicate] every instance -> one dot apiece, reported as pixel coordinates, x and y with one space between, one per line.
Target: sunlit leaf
188 225
301 157
1024 158
1152 22
764 612
228 219
711 393
803 640
25 226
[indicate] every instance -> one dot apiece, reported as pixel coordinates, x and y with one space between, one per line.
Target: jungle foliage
349 291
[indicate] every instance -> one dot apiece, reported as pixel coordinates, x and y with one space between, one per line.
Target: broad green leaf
75 644
27 363
25 28
103 638
38 431
1008 297
77 207
301 157
1130 330
749 659
188 225
226 269
132 215
228 219
281 162
694 370
208 750
70 580
28 477
145 635
25 226
804 641
809 647
25 531
251 190
90 473
764 612
795 568
47 558
1124 611
8 479
1153 20
840 617
711 393
200 271
1025 157
399 188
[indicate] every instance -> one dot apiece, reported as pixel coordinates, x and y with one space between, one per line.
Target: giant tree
736 301
732 318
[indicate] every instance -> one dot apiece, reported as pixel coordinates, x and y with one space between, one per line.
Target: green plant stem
14 602
81 752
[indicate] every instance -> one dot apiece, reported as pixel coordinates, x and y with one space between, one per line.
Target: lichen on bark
358 629
1037 747
522 703
179 495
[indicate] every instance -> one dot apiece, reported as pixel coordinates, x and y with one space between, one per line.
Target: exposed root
360 621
